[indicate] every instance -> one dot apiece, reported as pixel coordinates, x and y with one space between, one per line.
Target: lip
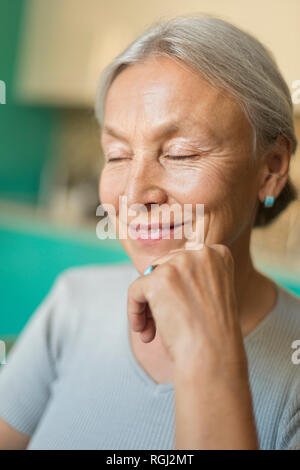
149 238
161 226
143 236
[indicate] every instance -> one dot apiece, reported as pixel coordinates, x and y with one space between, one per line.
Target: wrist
196 369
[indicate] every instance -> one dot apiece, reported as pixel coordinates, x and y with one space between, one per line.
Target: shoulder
282 331
86 286
83 299
283 339
290 326
289 311
88 277
275 343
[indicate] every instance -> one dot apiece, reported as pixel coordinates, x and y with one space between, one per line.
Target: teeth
152 232
155 230
155 233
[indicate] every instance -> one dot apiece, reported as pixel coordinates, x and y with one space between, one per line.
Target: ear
275 168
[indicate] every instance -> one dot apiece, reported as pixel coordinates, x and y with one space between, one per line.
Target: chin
144 256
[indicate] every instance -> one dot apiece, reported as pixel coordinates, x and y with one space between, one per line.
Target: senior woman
194 111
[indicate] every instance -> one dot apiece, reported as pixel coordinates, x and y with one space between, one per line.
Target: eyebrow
163 130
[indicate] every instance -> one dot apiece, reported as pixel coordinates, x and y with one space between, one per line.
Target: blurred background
51 55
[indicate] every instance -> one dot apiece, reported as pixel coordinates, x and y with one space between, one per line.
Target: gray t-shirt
72 381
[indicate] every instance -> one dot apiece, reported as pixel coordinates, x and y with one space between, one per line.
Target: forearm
213 412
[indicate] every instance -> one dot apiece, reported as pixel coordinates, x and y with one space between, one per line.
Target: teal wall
32 253
26 132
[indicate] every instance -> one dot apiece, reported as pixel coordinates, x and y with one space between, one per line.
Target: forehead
163 90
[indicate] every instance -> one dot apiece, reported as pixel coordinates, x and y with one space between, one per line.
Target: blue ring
148 270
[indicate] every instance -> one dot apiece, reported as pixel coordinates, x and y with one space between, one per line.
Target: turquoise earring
269 201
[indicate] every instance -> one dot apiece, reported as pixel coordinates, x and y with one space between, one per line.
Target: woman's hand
189 298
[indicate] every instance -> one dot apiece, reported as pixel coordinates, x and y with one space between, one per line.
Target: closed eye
180 157
116 159
172 157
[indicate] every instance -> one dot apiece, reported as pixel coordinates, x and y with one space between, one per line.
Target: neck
255 292
244 272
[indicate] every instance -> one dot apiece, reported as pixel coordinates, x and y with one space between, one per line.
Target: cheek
207 185
230 199
110 188
225 190
225 184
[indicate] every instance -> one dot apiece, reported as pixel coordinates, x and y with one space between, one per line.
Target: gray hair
230 59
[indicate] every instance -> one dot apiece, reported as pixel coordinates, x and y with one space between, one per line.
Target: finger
136 304
149 332
223 250
197 240
169 255
137 321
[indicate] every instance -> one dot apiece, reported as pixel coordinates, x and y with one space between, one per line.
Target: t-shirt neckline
157 387
267 318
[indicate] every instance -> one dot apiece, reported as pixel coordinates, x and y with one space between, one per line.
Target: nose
144 183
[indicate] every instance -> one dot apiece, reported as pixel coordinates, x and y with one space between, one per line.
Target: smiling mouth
155 231
155 227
